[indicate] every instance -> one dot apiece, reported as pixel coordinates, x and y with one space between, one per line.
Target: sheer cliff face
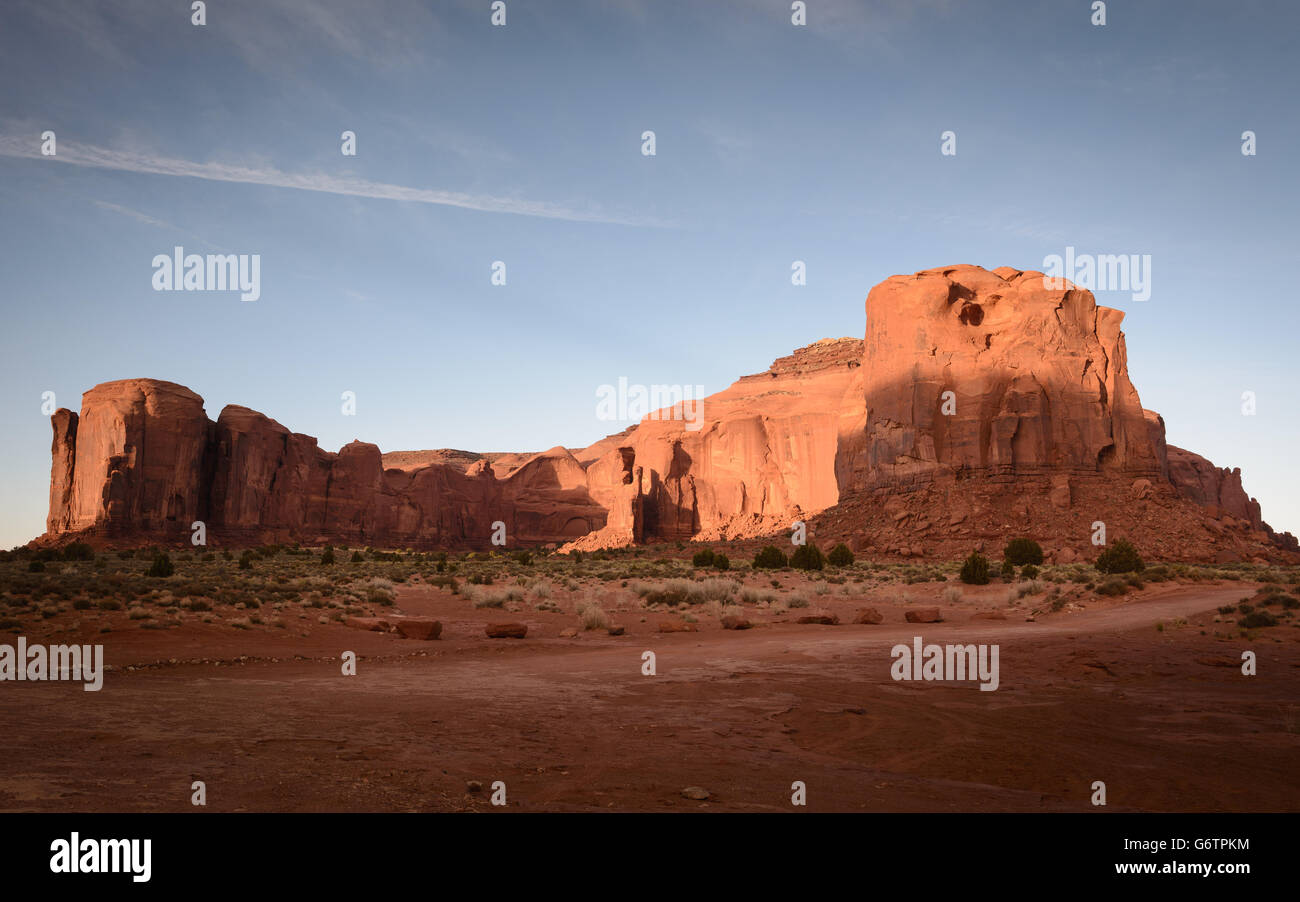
990 372
764 451
134 459
143 461
964 374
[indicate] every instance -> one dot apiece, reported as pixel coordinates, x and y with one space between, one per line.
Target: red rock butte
980 405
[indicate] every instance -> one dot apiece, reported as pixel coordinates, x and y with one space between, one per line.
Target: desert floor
1143 691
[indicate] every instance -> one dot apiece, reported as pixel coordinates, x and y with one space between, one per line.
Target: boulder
923 615
823 619
420 628
735 622
506 630
678 626
869 615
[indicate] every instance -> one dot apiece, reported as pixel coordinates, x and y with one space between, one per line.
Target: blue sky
522 144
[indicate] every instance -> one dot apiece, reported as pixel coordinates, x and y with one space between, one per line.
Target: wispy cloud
27 147
153 221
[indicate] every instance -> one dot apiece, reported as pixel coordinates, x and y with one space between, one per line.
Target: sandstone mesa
979 405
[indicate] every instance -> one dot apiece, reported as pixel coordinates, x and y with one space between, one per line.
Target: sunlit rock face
979 401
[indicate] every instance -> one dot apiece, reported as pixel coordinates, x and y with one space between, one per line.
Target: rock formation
980 403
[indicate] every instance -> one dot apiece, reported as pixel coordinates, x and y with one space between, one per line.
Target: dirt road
1165 718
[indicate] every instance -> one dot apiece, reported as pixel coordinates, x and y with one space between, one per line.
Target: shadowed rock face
967 379
143 461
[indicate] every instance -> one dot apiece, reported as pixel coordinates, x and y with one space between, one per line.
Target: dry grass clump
593 616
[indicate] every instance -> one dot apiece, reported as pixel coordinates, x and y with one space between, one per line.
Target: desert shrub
1023 551
1007 570
718 589
593 616
36 567
1121 557
679 591
485 598
808 557
1029 571
721 562
769 558
975 569
1257 619
78 551
162 566
1157 574
1112 586
952 595
246 561
522 557
81 604
327 556
380 591
703 558
840 556
109 604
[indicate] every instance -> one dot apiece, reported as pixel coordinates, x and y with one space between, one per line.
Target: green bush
36 567
522 557
1023 551
1121 557
808 557
1007 570
1113 586
359 558
1256 619
840 556
162 566
769 558
721 562
246 561
975 569
1029 571
703 558
327 556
